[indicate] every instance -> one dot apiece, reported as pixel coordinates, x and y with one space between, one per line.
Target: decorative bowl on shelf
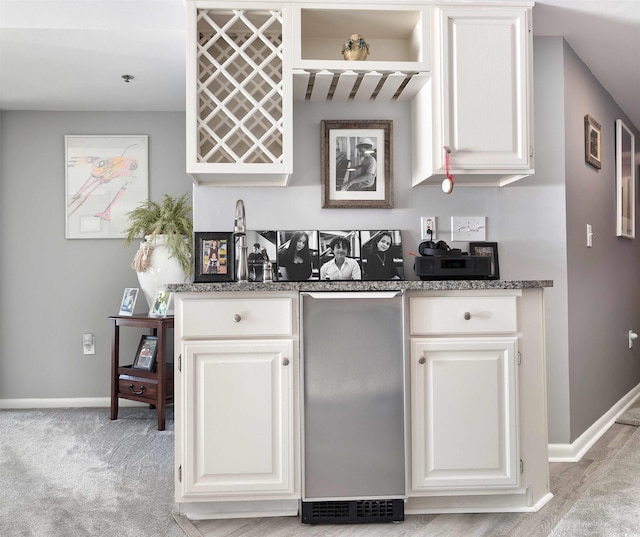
355 48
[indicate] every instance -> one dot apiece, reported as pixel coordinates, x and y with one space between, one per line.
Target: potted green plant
165 254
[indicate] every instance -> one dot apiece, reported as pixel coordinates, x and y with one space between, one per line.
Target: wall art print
105 178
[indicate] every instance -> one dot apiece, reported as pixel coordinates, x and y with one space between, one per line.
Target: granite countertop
390 285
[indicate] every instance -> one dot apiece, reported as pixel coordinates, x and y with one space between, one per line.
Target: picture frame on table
349 242
488 249
381 254
297 253
162 303
146 354
592 142
625 181
356 167
214 256
106 177
128 303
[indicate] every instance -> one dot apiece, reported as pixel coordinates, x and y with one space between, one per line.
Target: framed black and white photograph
214 257
297 255
261 247
340 255
356 164
625 181
128 304
162 303
381 255
488 249
146 354
106 177
592 142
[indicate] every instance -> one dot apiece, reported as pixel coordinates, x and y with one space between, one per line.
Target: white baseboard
575 451
71 402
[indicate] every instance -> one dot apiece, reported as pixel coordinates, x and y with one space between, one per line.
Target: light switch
468 228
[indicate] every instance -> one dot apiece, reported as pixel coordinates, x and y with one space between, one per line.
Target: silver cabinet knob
285 361
236 318
467 315
422 360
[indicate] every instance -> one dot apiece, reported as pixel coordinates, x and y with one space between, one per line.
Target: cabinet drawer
236 317
463 315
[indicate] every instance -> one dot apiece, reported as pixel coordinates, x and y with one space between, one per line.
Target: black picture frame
489 249
210 269
592 142
343 161
146 354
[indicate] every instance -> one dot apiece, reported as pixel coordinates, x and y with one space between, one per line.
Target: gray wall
53 289
604 288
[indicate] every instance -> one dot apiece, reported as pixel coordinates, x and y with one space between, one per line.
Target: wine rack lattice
240 86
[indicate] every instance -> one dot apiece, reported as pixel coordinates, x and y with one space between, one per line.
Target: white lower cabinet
464 414
236 404
239 425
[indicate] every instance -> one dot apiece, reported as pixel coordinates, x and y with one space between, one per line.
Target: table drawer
463 315
137 386
236 317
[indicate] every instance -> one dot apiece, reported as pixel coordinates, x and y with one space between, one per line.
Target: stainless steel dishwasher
353 419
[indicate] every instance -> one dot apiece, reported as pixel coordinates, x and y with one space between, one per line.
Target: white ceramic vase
162 270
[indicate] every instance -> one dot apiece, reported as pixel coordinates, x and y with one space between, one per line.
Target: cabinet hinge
530 151
519 358
521 466
180 473
530 26
180 363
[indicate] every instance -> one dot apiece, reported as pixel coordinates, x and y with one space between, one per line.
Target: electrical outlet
468 228
428 223
88 344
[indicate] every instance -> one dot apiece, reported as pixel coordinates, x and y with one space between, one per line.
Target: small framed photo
592 142
340 255
262 247
489 249
356 164
161 306
214 257
298 255
381 255
146 354
128 304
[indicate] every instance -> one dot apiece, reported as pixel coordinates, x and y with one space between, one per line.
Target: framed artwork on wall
214 257
592 142
625 181
356 164
105 178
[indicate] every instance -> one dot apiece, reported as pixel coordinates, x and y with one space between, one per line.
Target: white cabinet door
464 414
484 81
238 402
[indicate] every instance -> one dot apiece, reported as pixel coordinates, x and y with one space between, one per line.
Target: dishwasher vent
351 512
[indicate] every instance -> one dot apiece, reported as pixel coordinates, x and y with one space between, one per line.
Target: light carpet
610 507
76 473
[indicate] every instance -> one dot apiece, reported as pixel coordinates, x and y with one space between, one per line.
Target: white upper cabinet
239 105
479 101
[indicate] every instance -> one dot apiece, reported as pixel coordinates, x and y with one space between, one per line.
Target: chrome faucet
240 235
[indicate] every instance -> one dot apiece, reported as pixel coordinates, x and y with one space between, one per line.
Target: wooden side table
153 387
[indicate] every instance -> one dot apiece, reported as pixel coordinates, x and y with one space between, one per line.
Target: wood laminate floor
568 483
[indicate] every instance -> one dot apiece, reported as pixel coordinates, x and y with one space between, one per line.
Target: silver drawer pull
467 315
285 361
422 360
237 318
